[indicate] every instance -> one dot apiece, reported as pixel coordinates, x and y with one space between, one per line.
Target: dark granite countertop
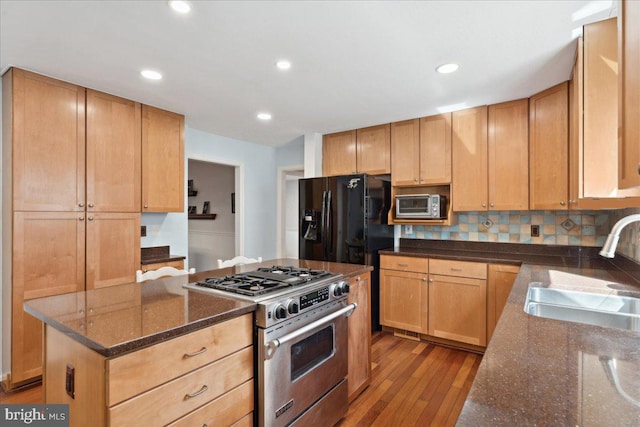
545 372
168 258
156 254
119 319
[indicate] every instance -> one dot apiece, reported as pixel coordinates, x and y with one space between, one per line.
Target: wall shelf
193 193
202 216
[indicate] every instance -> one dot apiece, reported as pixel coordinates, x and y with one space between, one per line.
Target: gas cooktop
266 281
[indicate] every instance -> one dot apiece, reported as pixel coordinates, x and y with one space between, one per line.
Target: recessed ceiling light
180 6
283 64
151 75
447 68
264 116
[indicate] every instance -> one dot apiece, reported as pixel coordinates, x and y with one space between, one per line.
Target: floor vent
401 333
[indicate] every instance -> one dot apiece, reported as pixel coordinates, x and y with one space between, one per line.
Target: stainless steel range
301 330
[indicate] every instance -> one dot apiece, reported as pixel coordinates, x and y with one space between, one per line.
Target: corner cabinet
359 362
162 160
549 149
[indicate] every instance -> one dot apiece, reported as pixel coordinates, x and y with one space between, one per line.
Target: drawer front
177 398
404 263
223 411
144 369
476 270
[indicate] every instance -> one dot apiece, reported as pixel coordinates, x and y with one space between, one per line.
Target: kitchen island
545 372
154 351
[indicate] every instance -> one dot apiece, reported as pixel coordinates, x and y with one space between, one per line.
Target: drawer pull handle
202 350
403 265
197 393
456 269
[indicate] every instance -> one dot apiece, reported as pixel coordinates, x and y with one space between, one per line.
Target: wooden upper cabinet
48 142
405 152
629 90
469 164
373 147
162 160
549 148
575 128
113 153
113 249
435 149
339 153
509 155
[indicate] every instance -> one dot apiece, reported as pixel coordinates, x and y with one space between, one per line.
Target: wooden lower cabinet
404 300
458 305
359 362
157 385
500 280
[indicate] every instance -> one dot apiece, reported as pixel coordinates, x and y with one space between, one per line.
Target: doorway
214 197
287 211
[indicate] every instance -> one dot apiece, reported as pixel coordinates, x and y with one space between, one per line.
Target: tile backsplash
576 228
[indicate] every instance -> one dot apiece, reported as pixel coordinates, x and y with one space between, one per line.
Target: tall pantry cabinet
71 201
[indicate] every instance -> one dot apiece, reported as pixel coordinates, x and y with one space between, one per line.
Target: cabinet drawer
477 270
144 369
177 398
404 263
225 410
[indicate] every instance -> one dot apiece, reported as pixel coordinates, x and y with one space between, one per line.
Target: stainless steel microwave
421 206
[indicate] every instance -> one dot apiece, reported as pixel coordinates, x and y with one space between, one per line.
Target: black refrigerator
345 219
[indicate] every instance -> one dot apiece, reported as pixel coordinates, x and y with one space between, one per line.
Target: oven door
301 362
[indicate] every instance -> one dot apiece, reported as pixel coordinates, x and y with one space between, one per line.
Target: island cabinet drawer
475 270
173 400
404 263
225 410
136 372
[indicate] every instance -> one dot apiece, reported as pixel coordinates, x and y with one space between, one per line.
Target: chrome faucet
609 248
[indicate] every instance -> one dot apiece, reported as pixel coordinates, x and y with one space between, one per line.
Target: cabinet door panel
549 148
499 283
162 161
629 89
374 150
405 152
404 300
339 153
435 149
48 143
359 335
469 165
113 249
48 259
509 155
113 153
458 309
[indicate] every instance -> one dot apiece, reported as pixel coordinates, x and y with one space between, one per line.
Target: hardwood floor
413 384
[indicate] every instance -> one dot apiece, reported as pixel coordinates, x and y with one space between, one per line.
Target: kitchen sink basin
607 310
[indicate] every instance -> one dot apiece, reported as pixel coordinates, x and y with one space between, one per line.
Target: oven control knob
293 307
279 312
345 288
337 290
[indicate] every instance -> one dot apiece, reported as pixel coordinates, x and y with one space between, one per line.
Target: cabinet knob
421 179
81 218
424 279
81 205
484 205
90 205
562 203
90 218
415 179
430 280
146 206
491 204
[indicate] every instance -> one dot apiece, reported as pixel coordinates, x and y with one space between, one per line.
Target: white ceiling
355 63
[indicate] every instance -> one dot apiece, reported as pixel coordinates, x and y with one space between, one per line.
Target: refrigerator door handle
323 230
329 227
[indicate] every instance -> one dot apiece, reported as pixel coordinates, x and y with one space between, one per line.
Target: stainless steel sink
607 310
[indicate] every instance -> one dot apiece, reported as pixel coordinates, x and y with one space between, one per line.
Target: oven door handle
272 346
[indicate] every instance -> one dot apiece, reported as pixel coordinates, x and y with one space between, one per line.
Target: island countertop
119 319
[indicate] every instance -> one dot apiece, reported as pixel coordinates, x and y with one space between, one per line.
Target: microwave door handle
272 346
